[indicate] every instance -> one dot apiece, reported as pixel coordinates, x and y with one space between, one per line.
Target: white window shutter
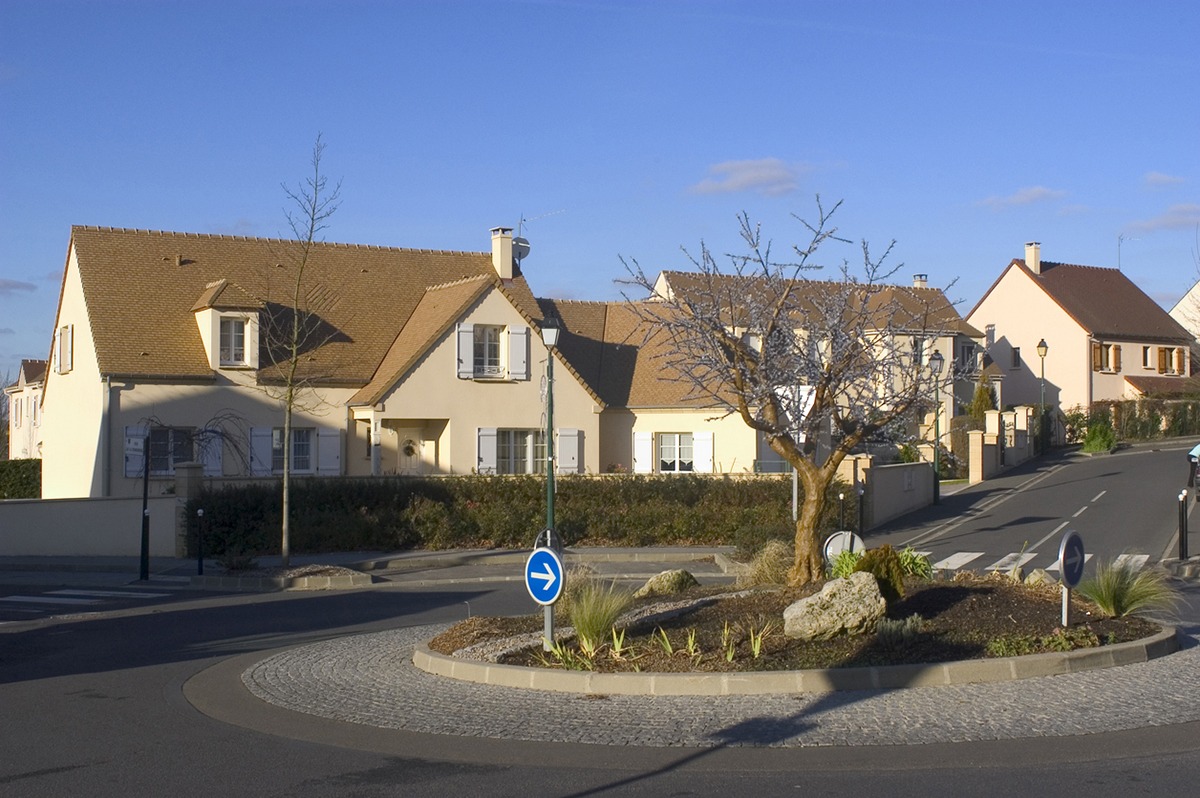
68 354
702 452
260 452
487 450
518 353
212 454
643 452
569 452
134 460
329 452
466 351
55 356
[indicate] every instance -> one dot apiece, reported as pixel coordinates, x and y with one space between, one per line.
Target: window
1148 357
170 446
302 449
233 342
16 410
493 352
487 351
34 411
675 452
520 451
966 358
1106 357
65 349
1016 357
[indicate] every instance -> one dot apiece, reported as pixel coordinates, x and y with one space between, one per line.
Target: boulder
852 605
666 583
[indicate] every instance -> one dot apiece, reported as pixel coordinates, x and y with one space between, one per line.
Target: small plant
1099 438
1122 589
618 649
769 566
844 564
757 634
692 648
594 611
913 563
884 564
563 656
1058 640
728 644
895 633
660 637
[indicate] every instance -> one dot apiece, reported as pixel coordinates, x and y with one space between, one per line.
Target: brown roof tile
140 287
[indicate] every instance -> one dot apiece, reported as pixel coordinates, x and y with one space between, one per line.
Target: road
98 704
1121 505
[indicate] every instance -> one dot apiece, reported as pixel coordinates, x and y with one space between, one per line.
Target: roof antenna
520 243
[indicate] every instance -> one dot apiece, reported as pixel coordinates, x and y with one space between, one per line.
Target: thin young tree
295 327
796 358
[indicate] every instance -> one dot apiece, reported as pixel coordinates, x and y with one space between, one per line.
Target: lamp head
550 330
936 362
1042 348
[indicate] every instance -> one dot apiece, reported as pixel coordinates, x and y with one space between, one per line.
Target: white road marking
1054 565
956 560
1098 495
1011 561
107 594
1135 561
49 600
1079 512
1057 529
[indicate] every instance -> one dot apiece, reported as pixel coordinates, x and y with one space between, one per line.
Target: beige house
24 399
421 362
1105 338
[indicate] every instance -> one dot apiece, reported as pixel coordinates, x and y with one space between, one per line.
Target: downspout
106 437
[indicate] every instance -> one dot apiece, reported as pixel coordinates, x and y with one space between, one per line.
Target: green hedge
20 479
1137 419
503 512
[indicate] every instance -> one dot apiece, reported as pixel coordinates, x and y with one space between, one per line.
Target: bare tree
795 357
5 381
294 328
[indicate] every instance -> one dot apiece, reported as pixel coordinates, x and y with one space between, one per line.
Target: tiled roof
140 288
34 370
911 309
1105 303
438 309
1166 386
224 295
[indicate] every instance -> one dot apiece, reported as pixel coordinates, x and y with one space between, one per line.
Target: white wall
85 527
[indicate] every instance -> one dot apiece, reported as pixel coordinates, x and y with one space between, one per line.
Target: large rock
666 583
852 605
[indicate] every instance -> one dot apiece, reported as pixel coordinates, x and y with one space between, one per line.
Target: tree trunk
809 565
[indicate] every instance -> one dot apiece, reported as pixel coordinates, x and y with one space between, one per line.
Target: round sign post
544 581
1071 560
838 542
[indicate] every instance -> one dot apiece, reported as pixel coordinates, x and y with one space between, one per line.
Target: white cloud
12 286
1024 196
1156 179
1177 217
769 176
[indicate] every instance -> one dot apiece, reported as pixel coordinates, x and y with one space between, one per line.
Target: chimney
1033 257
920 281
502 252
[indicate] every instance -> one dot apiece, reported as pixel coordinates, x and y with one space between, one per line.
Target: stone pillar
189 481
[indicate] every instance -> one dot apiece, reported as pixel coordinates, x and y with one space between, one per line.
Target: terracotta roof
1165 386
140 287
438 309
1104 302
912 309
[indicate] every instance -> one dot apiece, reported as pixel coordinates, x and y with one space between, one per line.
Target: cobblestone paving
370 679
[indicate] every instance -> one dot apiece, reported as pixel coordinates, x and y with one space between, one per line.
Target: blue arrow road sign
1071 558
544 576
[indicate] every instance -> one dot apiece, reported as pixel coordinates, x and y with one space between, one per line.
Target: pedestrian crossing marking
107 594
1010 561
49 600
1054 565
1134 561
956 560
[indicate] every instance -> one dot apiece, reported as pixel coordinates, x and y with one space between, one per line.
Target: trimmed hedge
394 513
20 479
1137 419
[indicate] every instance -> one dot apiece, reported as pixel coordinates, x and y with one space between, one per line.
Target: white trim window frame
232 344
486 351
520 451
16 404
170 446
676 454
303 441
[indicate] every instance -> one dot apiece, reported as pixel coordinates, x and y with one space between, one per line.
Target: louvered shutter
466 351
487 450
569 451
329 452
643 452
702 452
518 353
260 452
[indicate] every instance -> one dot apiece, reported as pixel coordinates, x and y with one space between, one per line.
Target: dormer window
233 342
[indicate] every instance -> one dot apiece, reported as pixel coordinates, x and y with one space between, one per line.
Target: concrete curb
807 681
570 556
269 583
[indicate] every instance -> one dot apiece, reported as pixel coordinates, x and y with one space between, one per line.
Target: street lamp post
1042 349
550 332
936 362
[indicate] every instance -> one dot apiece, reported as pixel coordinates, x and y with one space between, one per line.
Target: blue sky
960 130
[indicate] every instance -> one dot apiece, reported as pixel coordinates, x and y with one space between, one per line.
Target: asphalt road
98 705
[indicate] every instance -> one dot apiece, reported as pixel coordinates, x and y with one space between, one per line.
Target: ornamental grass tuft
594 610
1121 589
769 566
